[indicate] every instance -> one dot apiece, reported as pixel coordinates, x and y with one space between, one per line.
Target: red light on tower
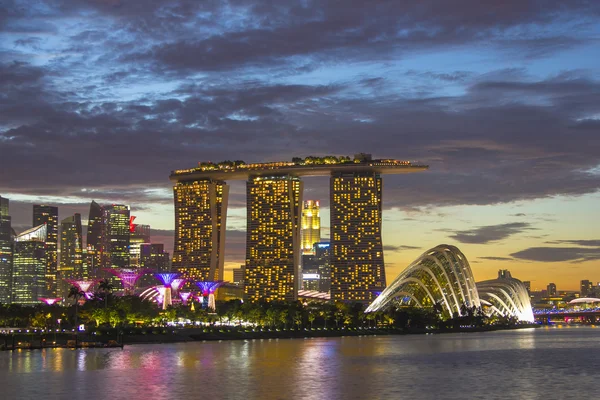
131 224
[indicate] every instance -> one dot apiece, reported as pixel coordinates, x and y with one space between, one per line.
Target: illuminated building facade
30 266
272 237
356 247
117 235
316 268
273 245
6 252
155 259
311 226
49 215
200 224
440 277
505 297
139 234
95 242
71 253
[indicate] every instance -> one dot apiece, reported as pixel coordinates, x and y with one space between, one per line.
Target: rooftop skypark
308 166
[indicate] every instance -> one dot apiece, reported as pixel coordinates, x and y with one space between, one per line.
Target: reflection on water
526 364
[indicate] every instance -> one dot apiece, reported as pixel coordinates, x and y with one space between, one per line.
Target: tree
311 318
106 288
76 294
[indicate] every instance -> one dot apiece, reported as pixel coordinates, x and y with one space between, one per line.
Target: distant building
238 275
527 286
138 234
316 268
273 238
30 266
49 215
311 225
117 235
95 240
357 251
587 288
154 258
6 252
72 265
551 290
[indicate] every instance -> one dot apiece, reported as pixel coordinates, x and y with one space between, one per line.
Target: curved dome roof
441 275
585 300
507 297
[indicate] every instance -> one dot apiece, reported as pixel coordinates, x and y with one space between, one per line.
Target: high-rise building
6 252
357 251
200 224
138 234
311 226
273 238
587 288
155 259
49 215
551 289
95 259
71 264
30 266
316 268
238 275
527 286
117 235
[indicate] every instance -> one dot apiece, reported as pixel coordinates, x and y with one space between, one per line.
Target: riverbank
119 337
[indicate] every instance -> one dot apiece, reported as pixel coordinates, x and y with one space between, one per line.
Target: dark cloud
588 243
491 233
393 248
492 258
558 254
140 88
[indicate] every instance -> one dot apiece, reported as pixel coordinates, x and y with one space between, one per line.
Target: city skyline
503 106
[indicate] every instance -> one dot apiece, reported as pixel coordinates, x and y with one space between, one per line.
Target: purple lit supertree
208 289
50 301
166 279
128 277
84 286
177 284
185 297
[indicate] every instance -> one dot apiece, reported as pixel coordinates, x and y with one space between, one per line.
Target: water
545 363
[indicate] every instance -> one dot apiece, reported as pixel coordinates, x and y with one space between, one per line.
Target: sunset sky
102 99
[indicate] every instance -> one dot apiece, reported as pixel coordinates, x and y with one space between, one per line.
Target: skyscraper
95 242
30 266
200 224
311 226
6 252
71 253
587 288
272 238
116 217
551 288
138 234
357 251
49 215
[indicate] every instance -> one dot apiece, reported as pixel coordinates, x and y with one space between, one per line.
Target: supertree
50 301
84 285
166 279
177 284
208 289
128 277
185 297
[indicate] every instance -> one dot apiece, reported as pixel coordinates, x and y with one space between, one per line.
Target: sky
102 99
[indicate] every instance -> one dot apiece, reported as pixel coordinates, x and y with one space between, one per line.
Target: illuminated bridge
274 206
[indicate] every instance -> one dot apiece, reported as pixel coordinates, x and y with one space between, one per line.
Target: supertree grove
128 277
208 289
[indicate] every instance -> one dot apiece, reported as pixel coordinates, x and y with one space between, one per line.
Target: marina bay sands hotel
274 202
